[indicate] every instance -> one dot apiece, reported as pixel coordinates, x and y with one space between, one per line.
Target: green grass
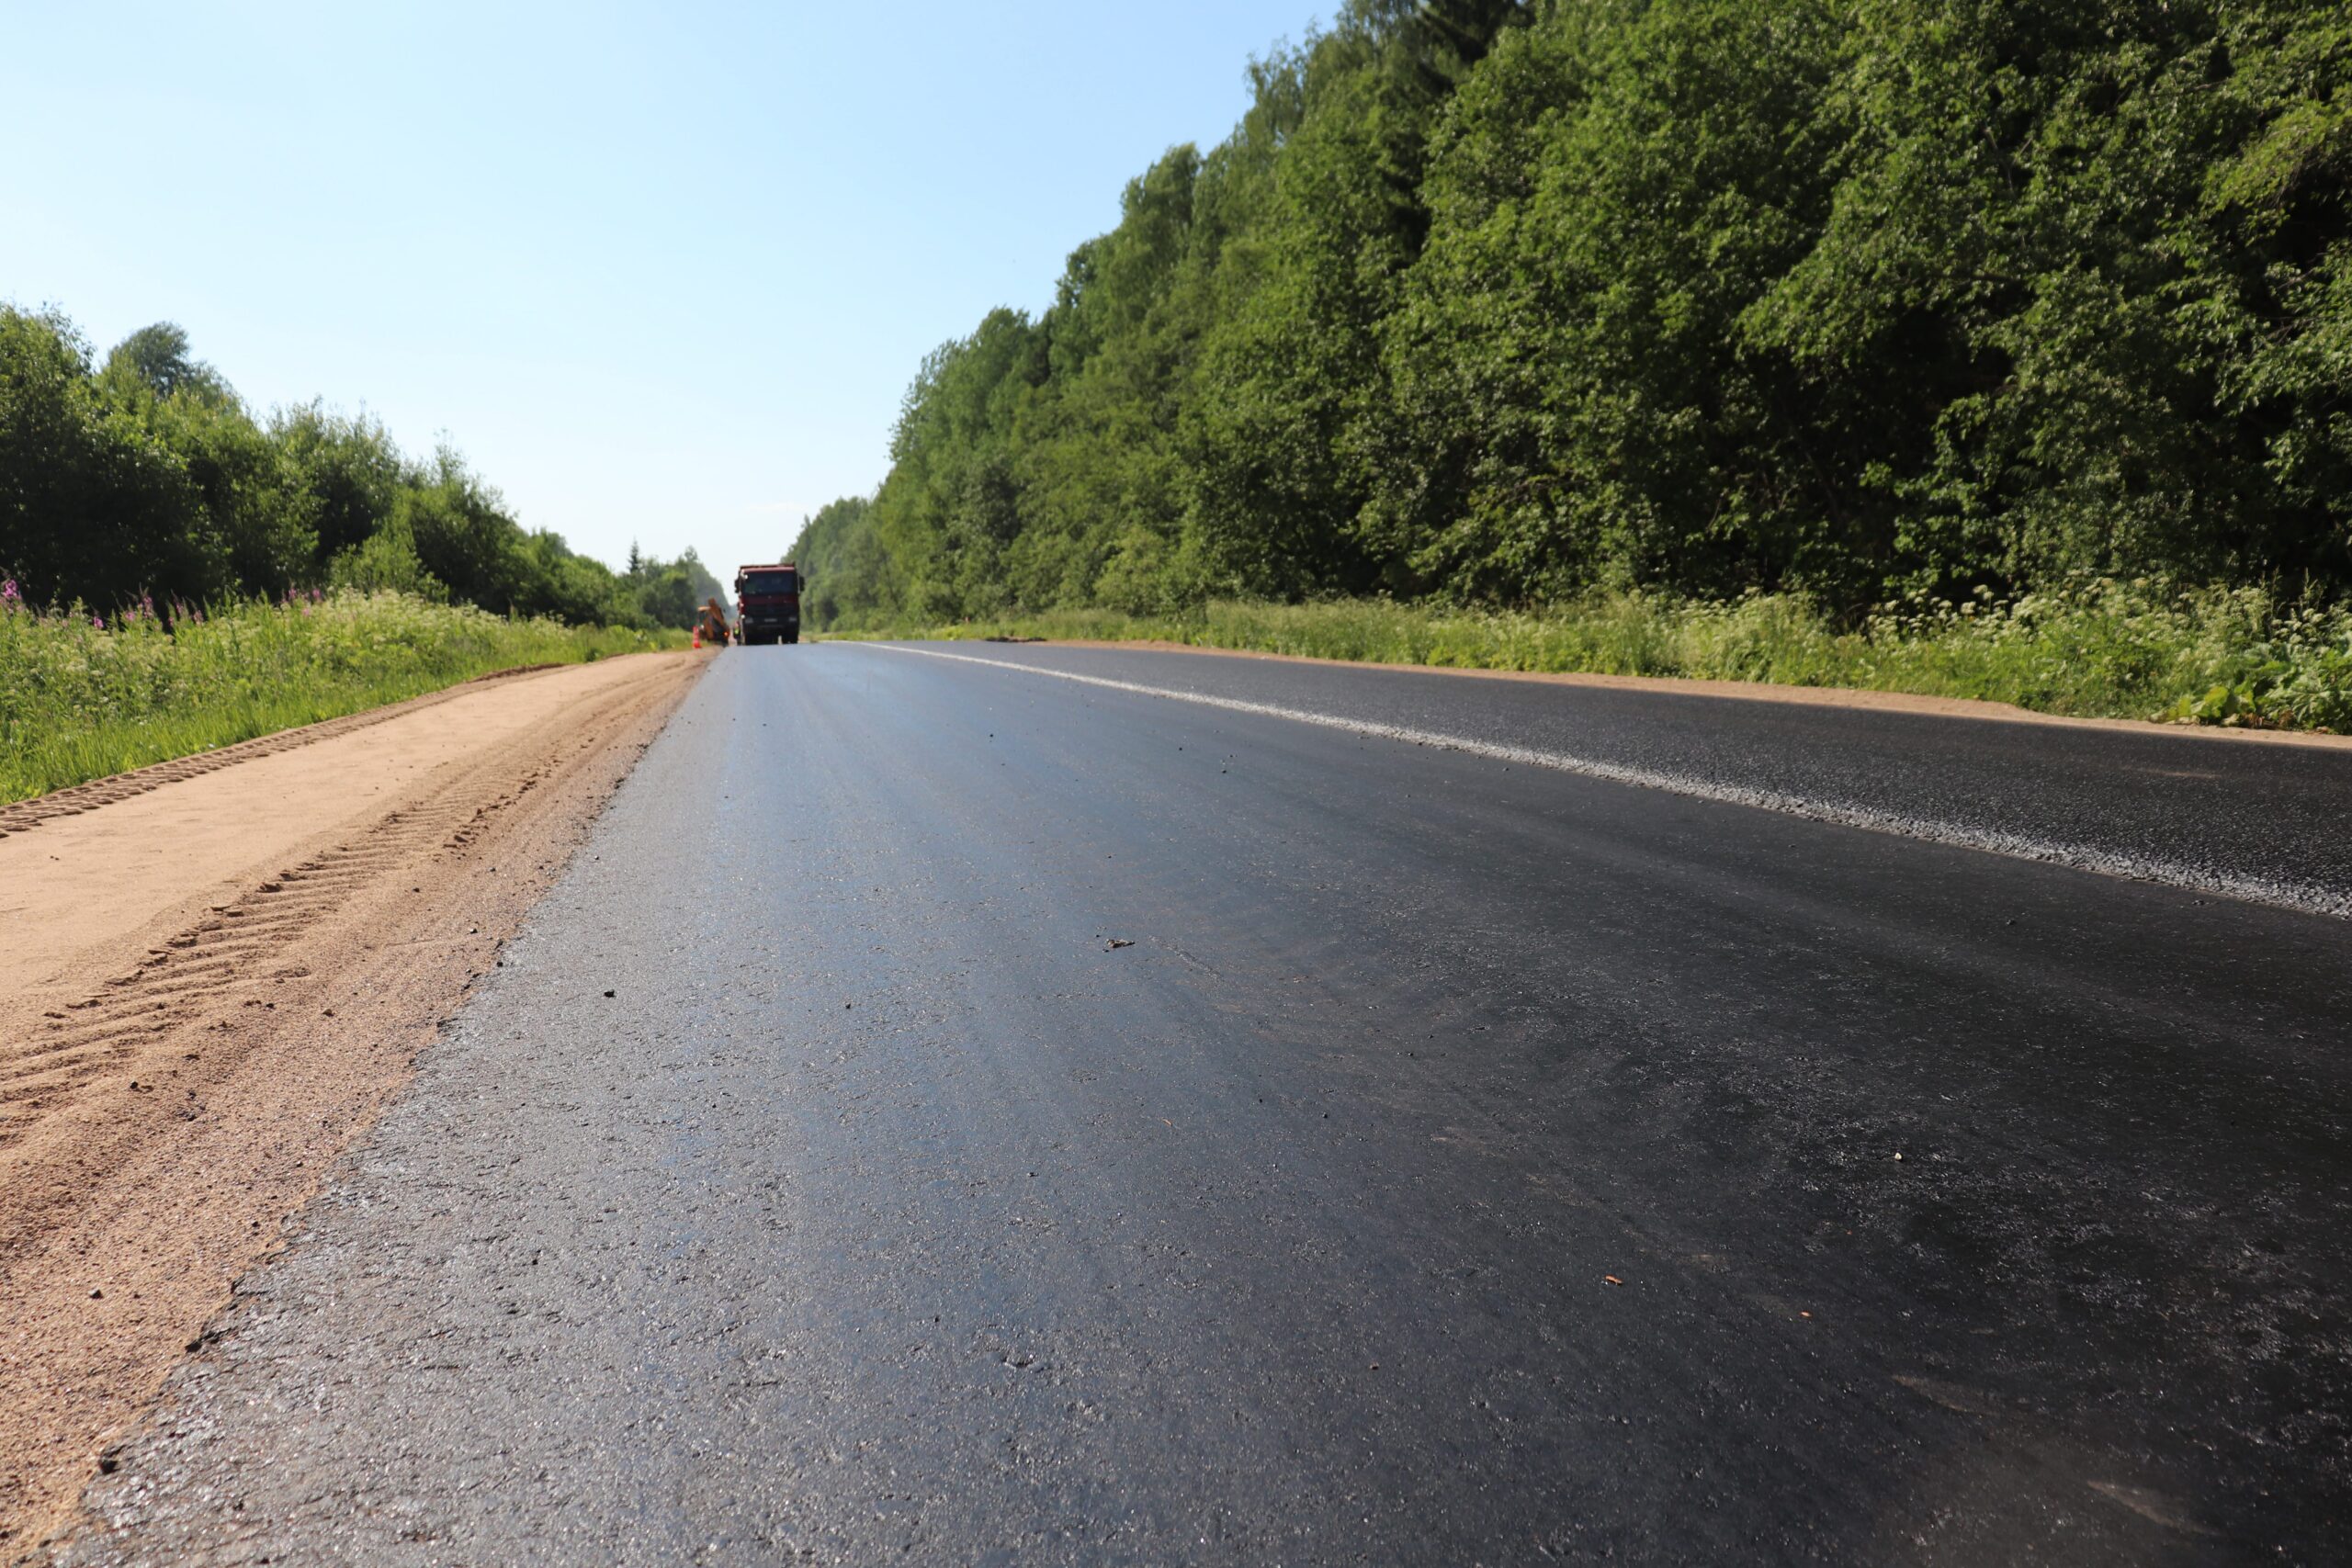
79 700
2100 649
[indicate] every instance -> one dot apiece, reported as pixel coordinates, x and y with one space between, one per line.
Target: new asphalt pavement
1236 1111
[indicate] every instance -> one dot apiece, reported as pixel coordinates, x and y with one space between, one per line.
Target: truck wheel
792 635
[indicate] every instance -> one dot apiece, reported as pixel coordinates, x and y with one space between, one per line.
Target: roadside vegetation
2094 650
181 575
143 476
83 697
2001 349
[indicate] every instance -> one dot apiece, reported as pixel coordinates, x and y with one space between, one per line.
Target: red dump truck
767 603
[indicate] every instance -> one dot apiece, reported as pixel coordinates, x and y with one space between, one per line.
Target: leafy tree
846 570
148 476
157 357
464 535
1501 301
1570 400
669 593
94 506
350 467
259 510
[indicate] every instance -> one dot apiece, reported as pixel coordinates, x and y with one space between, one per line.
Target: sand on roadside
212 978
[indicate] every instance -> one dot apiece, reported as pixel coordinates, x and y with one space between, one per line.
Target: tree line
1504 303
144 474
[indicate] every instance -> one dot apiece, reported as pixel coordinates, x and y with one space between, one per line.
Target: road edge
1979 709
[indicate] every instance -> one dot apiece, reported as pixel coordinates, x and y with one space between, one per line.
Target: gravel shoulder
213 981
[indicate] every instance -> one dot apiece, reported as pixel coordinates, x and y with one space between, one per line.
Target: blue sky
662 272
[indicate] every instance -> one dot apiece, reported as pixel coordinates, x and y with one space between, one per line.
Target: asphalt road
957 1113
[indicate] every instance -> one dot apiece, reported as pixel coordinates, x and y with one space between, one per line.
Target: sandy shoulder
212 980
111 877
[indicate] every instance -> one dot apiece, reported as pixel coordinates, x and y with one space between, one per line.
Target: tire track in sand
168 1100
179 984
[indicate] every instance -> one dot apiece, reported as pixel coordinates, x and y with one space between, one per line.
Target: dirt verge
21 815
212 982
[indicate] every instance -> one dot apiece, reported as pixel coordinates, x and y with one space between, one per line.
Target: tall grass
83 695
2097 648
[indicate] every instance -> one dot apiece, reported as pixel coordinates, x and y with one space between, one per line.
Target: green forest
1494 305
144 478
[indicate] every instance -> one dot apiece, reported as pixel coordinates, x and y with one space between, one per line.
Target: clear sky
662 272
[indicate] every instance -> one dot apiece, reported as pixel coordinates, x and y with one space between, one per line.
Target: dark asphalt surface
2258 818
1468 1162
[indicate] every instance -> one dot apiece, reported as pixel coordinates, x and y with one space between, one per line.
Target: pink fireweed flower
99 622
8 595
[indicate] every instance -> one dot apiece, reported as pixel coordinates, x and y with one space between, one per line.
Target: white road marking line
2305 898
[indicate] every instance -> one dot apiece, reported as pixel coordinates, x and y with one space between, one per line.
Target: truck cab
767 603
